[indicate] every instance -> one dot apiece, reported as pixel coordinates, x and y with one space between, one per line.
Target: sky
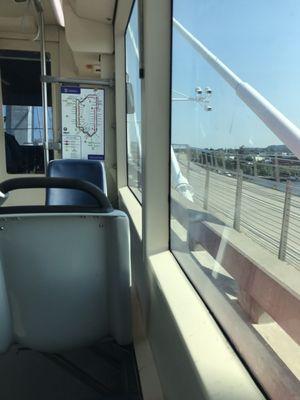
260 41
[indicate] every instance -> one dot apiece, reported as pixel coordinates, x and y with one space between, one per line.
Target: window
235 197
133 105
22 111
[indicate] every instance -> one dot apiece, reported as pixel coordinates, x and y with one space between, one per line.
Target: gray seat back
64 279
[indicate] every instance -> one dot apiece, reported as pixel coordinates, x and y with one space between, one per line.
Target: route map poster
82 117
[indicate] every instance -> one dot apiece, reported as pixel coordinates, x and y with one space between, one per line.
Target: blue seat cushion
87 170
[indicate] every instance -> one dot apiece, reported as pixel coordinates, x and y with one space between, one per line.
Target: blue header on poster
70 89
95 157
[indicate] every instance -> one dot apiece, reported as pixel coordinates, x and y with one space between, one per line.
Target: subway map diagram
82 123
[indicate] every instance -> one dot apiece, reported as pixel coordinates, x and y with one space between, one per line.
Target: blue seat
88 170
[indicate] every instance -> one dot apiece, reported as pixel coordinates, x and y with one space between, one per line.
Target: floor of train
104 371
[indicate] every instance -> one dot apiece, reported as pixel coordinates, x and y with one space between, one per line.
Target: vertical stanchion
201 158
44 84
206 159
206 189
285 221
216 159
238 165
254 168
276 171
238 201
223 161
188 153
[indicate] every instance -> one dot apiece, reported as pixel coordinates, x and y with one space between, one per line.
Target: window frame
132 189
226 317
152 284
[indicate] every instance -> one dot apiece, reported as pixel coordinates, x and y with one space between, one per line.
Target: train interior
148 238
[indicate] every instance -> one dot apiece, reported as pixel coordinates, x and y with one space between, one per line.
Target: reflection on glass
239 234
133 100
23 127
26 124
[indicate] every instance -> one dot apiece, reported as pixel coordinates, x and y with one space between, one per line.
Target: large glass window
22 111
133 105
235 191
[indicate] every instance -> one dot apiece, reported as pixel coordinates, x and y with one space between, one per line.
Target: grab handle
57 183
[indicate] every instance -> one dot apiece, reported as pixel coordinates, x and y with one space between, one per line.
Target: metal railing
267 213
271 166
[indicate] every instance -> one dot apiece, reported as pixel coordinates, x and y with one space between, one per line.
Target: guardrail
267 165
267 211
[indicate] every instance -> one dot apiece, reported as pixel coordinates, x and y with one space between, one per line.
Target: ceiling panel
97 10
12 9
9 8
49 15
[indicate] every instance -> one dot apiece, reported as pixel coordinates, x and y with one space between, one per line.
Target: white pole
283 128
44 90
40 11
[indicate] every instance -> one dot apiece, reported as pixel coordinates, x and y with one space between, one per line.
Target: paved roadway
261 209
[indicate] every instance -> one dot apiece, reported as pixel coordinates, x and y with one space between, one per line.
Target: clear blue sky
260 41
